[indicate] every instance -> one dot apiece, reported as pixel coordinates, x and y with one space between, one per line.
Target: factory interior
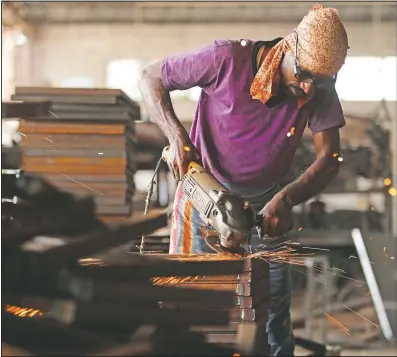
87 196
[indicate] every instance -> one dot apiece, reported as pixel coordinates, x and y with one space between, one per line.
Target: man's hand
181 153
277 217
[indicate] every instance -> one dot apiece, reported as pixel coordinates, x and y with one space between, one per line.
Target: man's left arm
326 120
320 173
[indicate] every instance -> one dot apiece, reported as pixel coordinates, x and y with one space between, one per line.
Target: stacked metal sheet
118 303
85 144
52 293
249 310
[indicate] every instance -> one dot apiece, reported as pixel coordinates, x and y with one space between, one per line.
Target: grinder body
226 212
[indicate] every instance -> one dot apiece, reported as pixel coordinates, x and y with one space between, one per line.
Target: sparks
99 193
52 114
337 323
313 277
23 311
384 251
283 254
172 280
360 315
338 269
20 133
325 249
387 181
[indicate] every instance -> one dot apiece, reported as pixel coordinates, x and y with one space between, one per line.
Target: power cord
148 198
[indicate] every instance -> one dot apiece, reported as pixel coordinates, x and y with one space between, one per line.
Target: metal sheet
65 99
33 127
24 109
87 108
105 94
70 141
86 152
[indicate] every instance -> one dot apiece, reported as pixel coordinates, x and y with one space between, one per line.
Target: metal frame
372 284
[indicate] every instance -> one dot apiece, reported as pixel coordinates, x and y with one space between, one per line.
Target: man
248 144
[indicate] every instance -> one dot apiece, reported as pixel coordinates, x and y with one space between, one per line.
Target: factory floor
354 331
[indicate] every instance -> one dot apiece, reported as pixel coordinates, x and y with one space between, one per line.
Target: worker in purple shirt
257 98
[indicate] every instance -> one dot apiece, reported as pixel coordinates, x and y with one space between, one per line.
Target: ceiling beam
191 12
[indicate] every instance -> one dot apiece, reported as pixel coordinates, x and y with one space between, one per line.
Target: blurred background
96 45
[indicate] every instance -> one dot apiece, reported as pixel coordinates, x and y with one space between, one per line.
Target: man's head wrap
322 49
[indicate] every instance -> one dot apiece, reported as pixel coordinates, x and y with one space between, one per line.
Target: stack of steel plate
65 273
249 312
85 144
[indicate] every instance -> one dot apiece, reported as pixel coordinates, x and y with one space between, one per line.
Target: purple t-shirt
241 140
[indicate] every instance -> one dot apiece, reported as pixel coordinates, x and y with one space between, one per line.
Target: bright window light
20 39
125 74
389 77
367 79
194 94
77 82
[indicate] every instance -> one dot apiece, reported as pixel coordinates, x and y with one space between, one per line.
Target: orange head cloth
322 49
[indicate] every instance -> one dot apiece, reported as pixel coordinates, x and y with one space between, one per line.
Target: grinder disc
215 244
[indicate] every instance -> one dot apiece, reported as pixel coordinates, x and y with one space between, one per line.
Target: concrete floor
362 339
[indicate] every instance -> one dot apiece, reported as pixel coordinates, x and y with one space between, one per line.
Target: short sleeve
191 69
327 112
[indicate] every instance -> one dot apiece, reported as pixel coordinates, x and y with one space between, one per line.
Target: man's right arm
159 105
179 72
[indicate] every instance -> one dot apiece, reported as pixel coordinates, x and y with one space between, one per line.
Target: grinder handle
165 157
